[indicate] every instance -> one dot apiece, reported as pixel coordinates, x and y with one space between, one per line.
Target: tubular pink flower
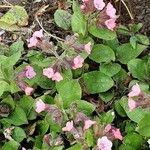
111 11
77 62
69 126
111 24
48 72
40 106
38 34
28 90
32 42
132 104
104 143
99 4
108 128
88 124
117 134
30 73
87 47
135 91
57 77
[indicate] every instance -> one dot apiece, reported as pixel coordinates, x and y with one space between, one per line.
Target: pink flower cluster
110 11
104 143
115 132
51 74
33 41
77 62
135 91
29 72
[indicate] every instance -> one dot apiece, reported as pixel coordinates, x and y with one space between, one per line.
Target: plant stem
127 9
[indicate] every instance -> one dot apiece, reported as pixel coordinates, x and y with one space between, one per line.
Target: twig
49 34
127 9
6 6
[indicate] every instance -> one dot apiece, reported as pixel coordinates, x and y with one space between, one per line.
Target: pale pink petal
40 106
88 124
48 72
38 34
132 104
82 7
32 42
104 143
69 126
99 4
111 11
30 73
135 91
108 128
87 47
111 24
57 77
78 62
29 90
117 134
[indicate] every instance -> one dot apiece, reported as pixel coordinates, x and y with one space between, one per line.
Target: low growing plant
87 91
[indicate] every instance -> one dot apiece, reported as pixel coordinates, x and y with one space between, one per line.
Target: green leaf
9 101
89 138
17 15
78 21
18 117
110 69
107 117
102 53
144 126
76 147
123 30
138 68
133 41
136 143
43 127
27 104
102 33
126 53
84 106
18 134
142 39
62 19
16 47
4 87
11 145
69 90
97 82
107 96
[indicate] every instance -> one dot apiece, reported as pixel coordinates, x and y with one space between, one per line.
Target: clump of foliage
87 91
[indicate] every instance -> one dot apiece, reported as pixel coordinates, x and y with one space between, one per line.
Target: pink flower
40 106
48 72
117 134
111 24
135 91
78 62
30 73
111 11
69 126
28 90
32 42
108 128
87 47
38 34
132 104
57 77
104 143
88 124
99 4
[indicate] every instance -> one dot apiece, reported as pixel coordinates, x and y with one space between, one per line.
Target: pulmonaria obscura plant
87 91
